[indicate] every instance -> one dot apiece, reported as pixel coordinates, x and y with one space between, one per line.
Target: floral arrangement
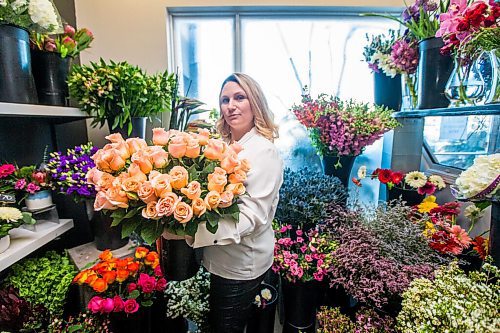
184 179
68 44
27 179
83 323
378 52
115 92
68 171
442 305
305 194
189 298
367 320
302 256
36 15
17 313
11 217
342 128
414 180
123 285
486 39
480 182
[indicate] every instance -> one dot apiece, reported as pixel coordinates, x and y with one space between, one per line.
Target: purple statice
69 171
413 12
404 56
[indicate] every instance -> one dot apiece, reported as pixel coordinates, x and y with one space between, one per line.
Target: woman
239 253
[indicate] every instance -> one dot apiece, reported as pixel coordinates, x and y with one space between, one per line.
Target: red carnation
6 170
396 177
385 176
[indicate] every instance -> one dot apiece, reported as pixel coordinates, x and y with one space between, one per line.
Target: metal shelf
491 109
58 113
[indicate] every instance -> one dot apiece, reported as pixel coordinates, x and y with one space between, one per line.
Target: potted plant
10 218
121 94
340 130
51 57
16 19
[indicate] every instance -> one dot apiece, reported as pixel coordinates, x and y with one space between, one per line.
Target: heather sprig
68 171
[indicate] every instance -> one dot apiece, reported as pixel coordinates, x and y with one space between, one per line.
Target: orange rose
212 200
143 161
117 197
244 165
179 177
226 199
99 285
81 277
106 255
149 212
109 277
135 144
91 277
93 176
115 137
219 171
121 147
239 176
230 162
141 252
160 136
121 263
199 207
216 182
133 267
183 212
122 275
192 191
236 147
215 149
131 184
102 202
158 157
177 146
192 148
105 182
161 184
109 160
166 206
151 258
146 192
236 188
203 136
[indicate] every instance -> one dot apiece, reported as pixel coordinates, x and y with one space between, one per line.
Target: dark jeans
231 303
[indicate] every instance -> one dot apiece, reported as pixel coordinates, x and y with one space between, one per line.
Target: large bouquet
37 15
341 128
184 179
123 285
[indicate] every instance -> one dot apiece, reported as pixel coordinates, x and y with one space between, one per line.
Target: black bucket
138 128
387 90
411 197
328 163
106 236
16 79
262 319
50 72
434 69
300 300
178 260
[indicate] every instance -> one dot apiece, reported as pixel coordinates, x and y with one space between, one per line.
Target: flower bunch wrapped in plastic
342 128
123 285
68 44
184 179
480 182
26 180
69 170
302 256
36 15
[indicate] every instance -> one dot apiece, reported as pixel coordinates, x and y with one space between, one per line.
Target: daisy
415 179
10 214
362 172
437 181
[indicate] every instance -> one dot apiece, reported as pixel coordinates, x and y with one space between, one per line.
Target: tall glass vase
409 91
465 85
490 60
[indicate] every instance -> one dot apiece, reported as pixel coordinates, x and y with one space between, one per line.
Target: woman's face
236 109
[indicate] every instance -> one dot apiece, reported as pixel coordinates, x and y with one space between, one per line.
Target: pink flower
318 276
461 236
32 188
146 283
300 240
161 284
50 46
283 229
131 287
95 304
131 306
6 170
107 305
20 184
308 258
158 271
299 232
429 188
118 304
69 30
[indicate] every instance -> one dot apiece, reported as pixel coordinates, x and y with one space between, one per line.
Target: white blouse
244 250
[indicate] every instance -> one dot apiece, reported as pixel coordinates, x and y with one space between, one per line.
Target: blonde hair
263 117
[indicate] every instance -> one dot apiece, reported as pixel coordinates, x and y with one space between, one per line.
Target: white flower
479 176
473 212
362 172
266 294
18 4
257 300
3 3
437 181
43 13
415 179
10 214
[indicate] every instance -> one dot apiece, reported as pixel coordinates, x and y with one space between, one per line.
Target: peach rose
230 162
212 200
105 182
135 171
159 157
236 188
192 148
149 212
198 206
203 136
142 161
216 182
109 160
122 147
236 147
226 199
239 176
117 197
102 202
115 137
131 184
93 176
192 191
161 185
177 146
135 144
165 206
215 149
244 165
179 176
219 171
160 136
183 212
146 192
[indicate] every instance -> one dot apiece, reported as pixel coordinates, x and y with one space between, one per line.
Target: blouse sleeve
263 184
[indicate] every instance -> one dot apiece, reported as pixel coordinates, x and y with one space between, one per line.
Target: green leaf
147 303
482 204
212 219
236 216
118 213
134 294
128 226
116 221
151 231
212 229
193 173
75 328
131 213
191 228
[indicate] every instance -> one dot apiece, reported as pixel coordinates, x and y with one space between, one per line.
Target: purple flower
404 56
20 184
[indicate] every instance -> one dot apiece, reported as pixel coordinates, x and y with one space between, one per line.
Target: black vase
105 236
387 90
300 300
434 69
343 172
138 322
494 245
262 319
138 128
177 259
411 197
50 72
16 79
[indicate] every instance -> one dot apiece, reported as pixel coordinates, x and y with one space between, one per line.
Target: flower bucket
106 236
50 72
39 200
138 128
16 80
262 319
411 197
387 90
138 322
177 259
300 300
343 172
4 243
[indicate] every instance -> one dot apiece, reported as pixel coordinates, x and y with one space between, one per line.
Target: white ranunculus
362 172
43 13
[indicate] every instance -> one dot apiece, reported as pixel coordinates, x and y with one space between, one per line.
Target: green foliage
44 281
487 39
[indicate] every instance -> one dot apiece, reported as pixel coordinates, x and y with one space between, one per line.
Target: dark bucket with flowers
50 71
262 320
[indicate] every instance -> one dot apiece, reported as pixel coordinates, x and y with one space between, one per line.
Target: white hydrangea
479 176
42 12
10 214
17 4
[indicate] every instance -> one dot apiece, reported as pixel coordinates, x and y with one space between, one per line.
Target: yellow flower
427 204
10 214
429 229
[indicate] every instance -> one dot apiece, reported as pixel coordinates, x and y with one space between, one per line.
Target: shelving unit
24 242
483 110
60 114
